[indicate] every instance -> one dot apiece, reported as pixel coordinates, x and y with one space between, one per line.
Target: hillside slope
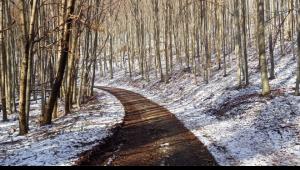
238 126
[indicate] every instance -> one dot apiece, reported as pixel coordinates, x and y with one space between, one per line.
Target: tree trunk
261 48
3 62
111 71
157 38
244 36
71 60
298 58
238 42
271 49
28 44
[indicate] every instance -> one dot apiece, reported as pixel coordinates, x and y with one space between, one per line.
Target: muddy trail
149 136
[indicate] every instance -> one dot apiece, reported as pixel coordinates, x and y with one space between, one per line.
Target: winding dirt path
150 135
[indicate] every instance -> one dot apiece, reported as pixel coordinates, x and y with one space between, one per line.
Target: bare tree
28 45
262 47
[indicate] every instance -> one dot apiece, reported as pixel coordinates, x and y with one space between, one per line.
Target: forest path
150 135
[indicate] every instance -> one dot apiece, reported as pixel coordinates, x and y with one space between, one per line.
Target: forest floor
150 135
237 125
61 143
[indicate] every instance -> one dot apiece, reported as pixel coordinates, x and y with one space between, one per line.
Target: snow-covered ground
61 143
255 131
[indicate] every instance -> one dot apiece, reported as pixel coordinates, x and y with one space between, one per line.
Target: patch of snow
60 143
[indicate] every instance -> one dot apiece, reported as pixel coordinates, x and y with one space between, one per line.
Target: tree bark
261 48
28 44
298 58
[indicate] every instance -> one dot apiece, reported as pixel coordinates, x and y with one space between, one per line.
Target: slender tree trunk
28 44
271 50
261 48
220 34
224 41
170 35
28 87
298 58
3 67
244 33
111 57
186 35
157 38
238 45
71 62
166 43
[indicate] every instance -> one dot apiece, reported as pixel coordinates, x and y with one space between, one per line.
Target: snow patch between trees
61 143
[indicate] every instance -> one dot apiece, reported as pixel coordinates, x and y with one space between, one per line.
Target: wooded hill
53 49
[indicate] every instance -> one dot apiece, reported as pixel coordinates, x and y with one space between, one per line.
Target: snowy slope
61 143
255 131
